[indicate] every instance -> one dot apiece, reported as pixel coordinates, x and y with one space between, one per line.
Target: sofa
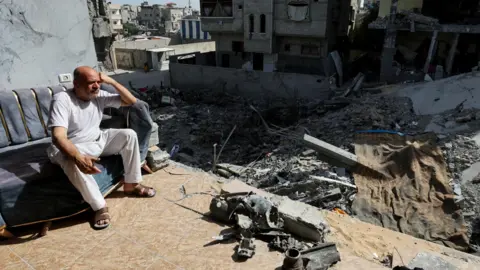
32 189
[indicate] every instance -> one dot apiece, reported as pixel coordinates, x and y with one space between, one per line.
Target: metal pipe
293 260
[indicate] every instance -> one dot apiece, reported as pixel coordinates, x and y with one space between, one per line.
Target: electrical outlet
65 78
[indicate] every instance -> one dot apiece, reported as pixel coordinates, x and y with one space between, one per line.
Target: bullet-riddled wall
42 39
402 5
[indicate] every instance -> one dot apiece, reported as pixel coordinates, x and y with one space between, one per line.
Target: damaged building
438 38
276 35
102 28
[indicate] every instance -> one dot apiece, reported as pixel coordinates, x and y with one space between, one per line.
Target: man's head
86 82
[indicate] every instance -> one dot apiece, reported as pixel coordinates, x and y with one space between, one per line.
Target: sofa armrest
136 117
139 119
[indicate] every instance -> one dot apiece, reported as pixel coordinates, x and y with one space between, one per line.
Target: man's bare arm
127 97
61 141
83 162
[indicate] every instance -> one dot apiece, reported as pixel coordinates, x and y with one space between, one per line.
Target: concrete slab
428 261
447 129
476 138
330 151
443 95
470 173
239 186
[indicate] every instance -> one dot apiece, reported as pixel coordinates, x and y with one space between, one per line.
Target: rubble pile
265 148
461 153
261 143
270 218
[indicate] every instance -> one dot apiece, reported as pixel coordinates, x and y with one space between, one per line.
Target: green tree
130 29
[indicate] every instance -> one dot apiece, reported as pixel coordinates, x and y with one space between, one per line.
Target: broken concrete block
332 195
428 261
233 169
465 118
237 186
166 100
157 159
321 257
331 151
309 152
244 222
301 219
246 248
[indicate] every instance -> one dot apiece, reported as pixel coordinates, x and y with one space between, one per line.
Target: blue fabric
57 88
139 120
4 140
13 117
28 102
44 98
32 189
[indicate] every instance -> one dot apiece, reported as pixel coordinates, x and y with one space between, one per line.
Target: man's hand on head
86 164
104 78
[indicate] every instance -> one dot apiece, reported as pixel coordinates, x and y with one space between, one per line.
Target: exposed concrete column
451 54
389 43
431 51
114 58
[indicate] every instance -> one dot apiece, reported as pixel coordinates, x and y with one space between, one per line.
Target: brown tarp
408 189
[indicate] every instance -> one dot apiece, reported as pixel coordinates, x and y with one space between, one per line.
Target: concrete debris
157 159
279 163
330 152
317 258
168 100
277 159
321 257
233 169
428 261
244 222
246 248
280 221
283 242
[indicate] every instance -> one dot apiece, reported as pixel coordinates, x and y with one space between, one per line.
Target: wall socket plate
65 78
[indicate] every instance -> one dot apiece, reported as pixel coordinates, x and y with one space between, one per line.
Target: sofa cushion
44 98
32 189
13 117
31 112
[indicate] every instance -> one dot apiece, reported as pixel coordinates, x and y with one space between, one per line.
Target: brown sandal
101 214
141 191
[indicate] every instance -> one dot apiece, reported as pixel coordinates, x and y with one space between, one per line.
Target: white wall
41 39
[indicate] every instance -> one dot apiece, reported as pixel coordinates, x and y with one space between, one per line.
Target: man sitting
77 141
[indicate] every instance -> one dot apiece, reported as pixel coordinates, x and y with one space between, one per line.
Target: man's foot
102 219
139 190
146 168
